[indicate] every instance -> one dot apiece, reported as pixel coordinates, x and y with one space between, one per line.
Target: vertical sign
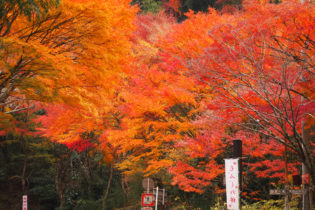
24 199
232 184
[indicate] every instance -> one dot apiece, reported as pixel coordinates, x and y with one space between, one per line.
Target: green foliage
265 205
87 204
274 204
199 5
23 159
146 6
10 10
44 167
27 8
83 178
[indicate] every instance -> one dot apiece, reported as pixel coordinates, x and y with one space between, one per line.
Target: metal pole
156 197
163 196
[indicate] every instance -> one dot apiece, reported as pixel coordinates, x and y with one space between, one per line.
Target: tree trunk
23 178
124 186
108 185
59 184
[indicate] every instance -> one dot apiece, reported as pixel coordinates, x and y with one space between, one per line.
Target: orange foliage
152 101
156 92
88 78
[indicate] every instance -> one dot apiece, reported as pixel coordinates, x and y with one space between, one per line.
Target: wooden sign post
286 193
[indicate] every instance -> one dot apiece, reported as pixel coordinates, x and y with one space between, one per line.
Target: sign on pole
284 192
232 184
24 199
147 199
148 184
162 194
146 208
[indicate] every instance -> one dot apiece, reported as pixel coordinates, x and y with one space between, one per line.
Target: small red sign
147 199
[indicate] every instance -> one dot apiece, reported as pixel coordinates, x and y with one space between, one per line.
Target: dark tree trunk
108 185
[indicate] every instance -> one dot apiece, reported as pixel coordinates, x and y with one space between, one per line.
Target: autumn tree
72 55
137 118
52 56
154 112
84 57
12 12
258 64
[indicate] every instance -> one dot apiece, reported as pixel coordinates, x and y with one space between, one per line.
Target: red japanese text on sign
232 183
24 199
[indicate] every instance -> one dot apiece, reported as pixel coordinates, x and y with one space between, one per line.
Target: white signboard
232 184
24 206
